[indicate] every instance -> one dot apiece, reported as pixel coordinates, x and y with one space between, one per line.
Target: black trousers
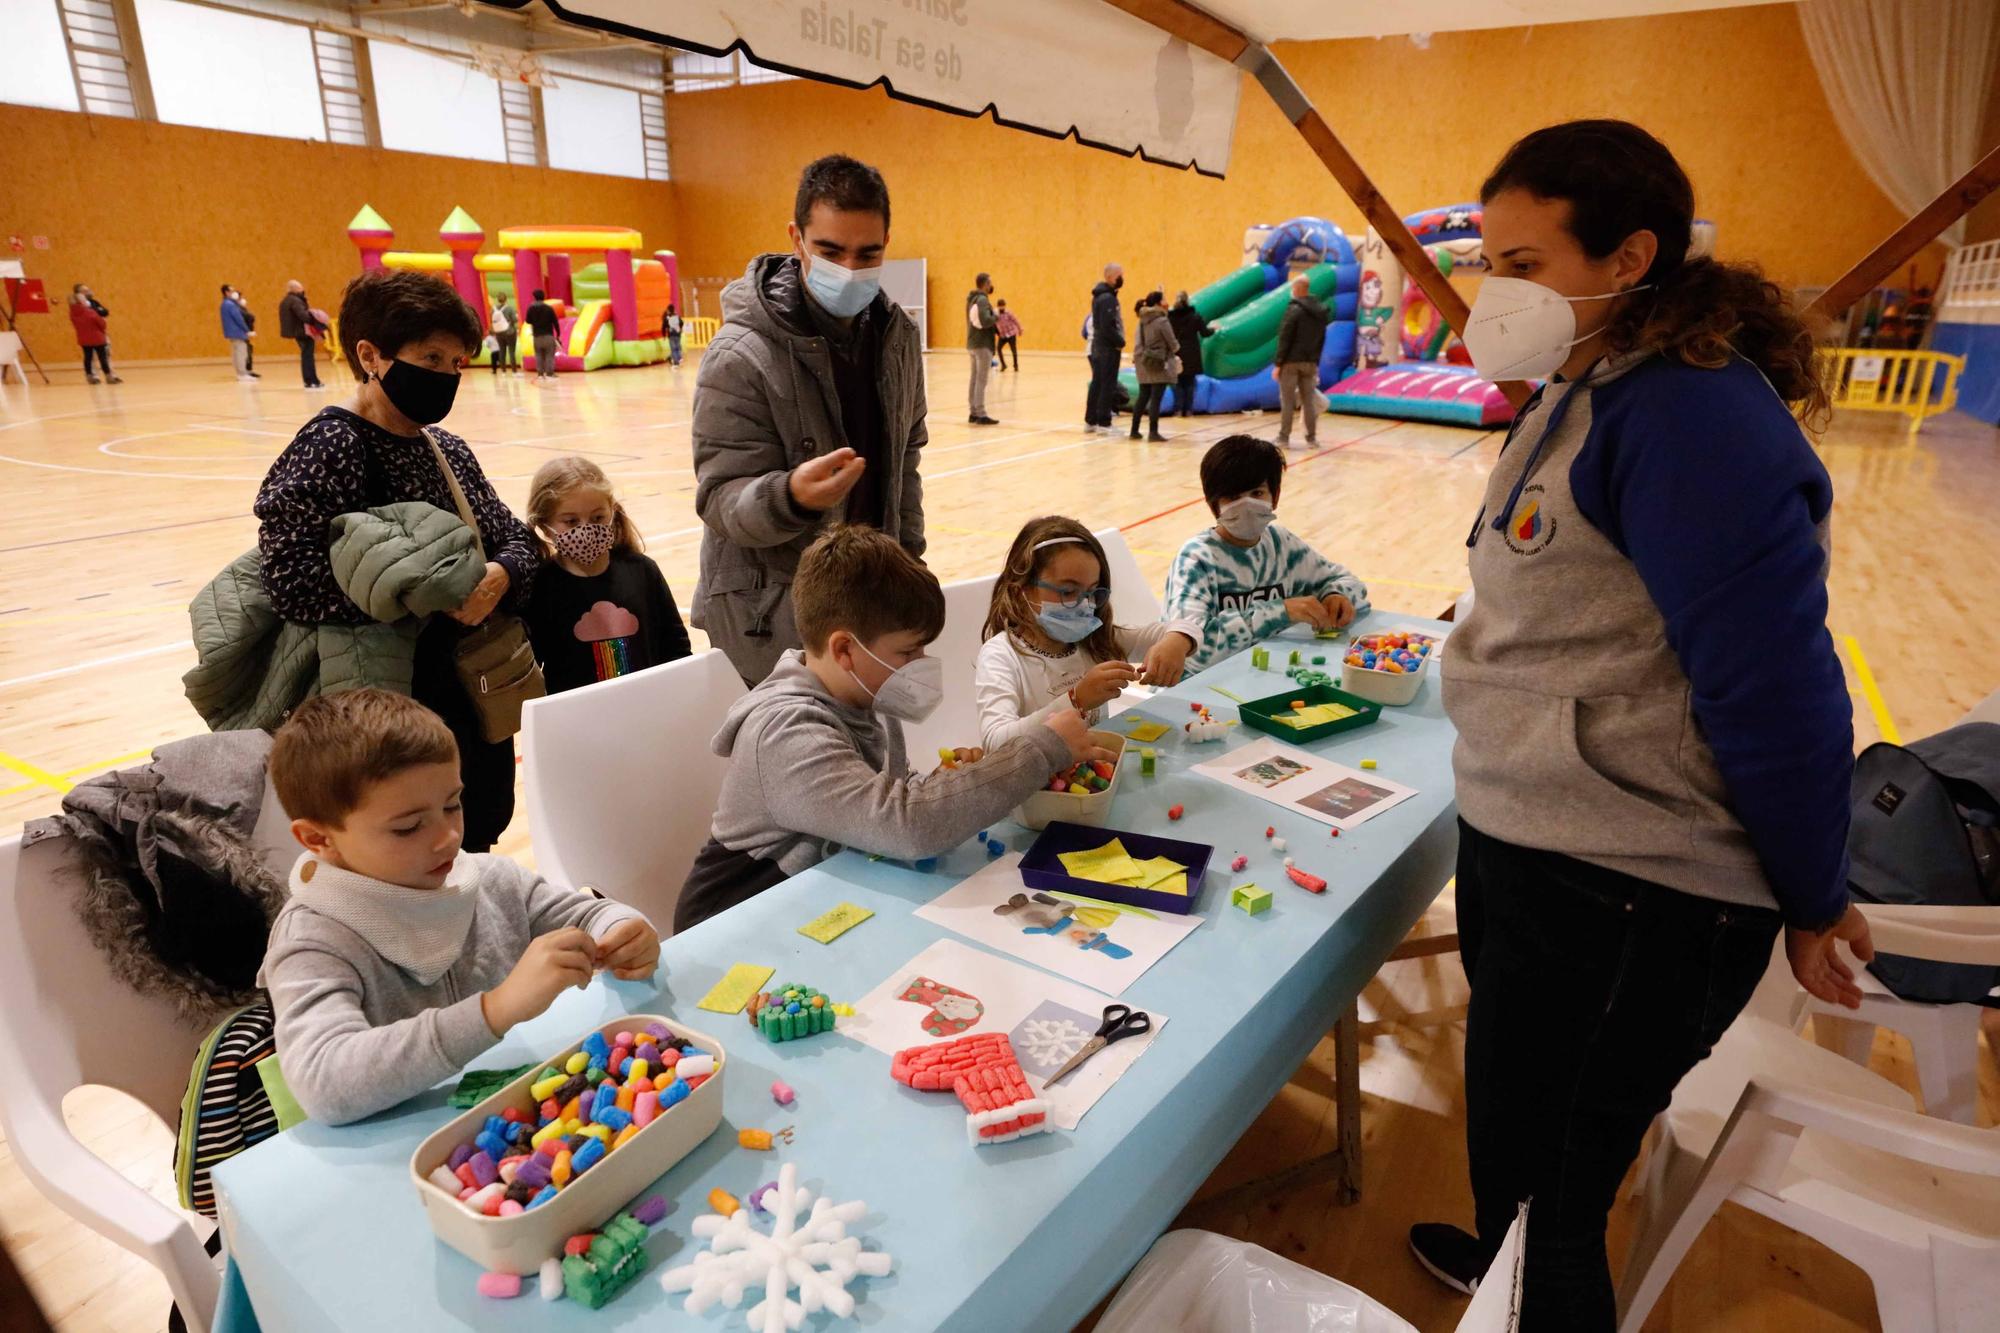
103 354
1593 993
509 355
1103 386
485 767
308 360
1184 393
1003 344
1149 400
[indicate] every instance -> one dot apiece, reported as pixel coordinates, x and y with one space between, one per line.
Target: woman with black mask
407 337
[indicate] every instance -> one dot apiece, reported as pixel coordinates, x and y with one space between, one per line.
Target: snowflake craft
815 1254
1049 1041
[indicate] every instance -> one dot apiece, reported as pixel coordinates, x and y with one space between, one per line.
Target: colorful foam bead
650 1210
1175 812
500 1286
781 1092
758 1140
723 1202
552 1280
615 1259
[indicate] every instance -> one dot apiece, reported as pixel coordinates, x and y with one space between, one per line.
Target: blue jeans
1593 993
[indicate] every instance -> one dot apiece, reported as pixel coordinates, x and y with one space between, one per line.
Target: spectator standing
979 345
1301 336
297 322
541 317
236 332
1107 348
88 318
1189 329
1007 332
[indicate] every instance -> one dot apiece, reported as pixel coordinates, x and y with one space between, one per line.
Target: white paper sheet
1045 1017
1145 936
1306 784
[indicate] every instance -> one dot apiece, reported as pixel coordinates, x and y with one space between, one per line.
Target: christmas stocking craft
952 1011
982 1071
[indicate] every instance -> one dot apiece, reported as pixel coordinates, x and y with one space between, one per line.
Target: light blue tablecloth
327 1233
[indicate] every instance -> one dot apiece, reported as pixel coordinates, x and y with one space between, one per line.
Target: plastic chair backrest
1136 601
956 722
66 1018
622 783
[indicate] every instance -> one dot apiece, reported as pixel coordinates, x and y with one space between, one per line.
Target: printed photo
1346 798
1270 772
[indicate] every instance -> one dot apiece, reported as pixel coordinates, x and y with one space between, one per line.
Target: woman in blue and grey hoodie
1654 737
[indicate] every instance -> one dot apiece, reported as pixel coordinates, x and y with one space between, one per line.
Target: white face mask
913 690
1521 330
1246 517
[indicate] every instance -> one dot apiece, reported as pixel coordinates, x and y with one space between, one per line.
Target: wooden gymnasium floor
121 501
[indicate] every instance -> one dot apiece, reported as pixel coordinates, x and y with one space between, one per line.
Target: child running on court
816 755
400 959
1246 578
1051 643
601 608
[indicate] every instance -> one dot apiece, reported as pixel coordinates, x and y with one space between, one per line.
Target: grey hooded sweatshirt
809 775
766 401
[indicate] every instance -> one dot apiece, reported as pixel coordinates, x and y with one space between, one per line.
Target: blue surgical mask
841 292
1068 624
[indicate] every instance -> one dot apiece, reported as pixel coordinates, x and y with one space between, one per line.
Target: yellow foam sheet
1148 731
738 984
1112 864
1313 715
831 925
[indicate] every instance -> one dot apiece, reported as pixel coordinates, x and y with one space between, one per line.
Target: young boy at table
816 756
1246 578
400 959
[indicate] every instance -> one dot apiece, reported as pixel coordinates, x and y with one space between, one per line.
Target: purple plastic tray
1041 870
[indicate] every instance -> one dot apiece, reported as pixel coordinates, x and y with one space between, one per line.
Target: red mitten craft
982 1070
952 1011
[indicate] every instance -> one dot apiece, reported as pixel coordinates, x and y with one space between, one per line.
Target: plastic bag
1199 1282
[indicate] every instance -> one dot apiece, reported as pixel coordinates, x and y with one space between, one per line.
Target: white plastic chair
956 722
621 784
1194 1281
65 1021
1944 1038
1829 1149
1137 601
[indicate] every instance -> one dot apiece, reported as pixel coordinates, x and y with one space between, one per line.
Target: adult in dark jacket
296 321
236 332
808 410
1107 348
1189 329
406 337
249 323
88 317
543 325
1301 335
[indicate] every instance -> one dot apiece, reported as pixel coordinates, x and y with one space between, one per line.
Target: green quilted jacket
399 563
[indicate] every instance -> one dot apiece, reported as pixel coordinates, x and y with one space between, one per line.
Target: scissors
1120 1021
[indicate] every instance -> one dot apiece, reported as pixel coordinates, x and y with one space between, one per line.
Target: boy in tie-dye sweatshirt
1246 578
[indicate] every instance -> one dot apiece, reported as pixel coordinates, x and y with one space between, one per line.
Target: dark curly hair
392 308
1617 180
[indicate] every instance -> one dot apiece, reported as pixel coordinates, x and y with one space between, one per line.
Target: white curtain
1908 81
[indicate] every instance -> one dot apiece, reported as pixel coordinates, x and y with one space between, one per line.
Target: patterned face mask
585 544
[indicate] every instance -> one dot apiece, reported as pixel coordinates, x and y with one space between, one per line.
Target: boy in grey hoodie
816 751
399 959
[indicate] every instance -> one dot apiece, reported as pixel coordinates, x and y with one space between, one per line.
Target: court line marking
115 658
101 766
1884 724
128 532
40 777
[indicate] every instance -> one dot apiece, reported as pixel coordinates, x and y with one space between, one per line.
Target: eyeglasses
1071 595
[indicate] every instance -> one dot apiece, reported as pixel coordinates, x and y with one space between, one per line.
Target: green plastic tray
1259 713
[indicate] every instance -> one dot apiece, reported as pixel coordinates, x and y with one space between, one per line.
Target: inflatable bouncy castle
1388 350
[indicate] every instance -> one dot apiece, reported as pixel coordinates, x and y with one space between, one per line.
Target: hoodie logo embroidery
1531 530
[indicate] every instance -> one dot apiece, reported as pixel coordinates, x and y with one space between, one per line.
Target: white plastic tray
1044 806
520 1243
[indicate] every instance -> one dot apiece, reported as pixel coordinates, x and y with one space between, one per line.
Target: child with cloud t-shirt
601 607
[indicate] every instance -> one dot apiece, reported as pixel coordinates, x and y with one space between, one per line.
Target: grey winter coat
765 402
399 563
1156 356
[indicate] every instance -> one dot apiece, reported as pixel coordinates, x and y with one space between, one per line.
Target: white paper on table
967 908
1305 784
1046 1018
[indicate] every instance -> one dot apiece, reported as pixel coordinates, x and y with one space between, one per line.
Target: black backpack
1926 830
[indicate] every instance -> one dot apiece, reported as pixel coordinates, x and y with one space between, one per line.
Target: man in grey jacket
809 410
1301 335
